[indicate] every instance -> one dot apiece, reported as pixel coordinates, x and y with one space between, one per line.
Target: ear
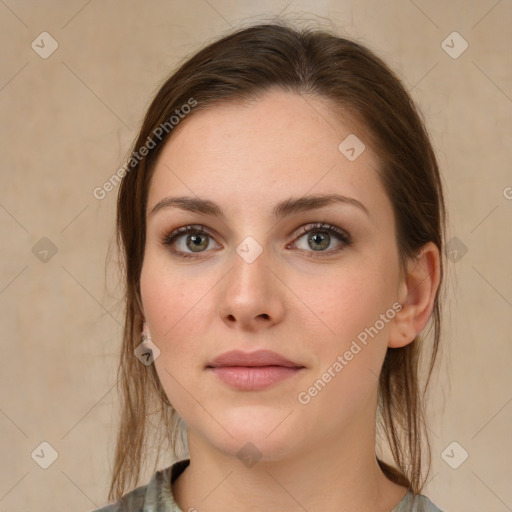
417 293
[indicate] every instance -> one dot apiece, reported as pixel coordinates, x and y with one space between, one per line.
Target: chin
267 439
254 449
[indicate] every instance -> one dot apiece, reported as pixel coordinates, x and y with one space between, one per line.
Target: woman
282 224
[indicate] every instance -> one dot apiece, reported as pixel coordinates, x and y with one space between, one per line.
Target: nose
252 296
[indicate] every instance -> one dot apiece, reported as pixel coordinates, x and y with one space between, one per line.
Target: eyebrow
281 210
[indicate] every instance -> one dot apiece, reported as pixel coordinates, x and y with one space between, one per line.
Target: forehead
281 145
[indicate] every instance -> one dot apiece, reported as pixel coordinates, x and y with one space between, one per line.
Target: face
323 299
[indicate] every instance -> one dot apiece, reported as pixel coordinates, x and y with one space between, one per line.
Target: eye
319 238
198 240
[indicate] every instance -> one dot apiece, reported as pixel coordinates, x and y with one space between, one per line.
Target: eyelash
169 239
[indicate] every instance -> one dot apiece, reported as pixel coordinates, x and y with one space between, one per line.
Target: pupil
196 240
321 237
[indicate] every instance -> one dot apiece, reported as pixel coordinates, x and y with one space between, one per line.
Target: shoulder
156 495
423 504
416 503
132 501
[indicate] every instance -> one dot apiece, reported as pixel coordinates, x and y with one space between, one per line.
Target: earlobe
145 330
417 296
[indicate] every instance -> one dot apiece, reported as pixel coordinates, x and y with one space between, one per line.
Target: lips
253 371
250 359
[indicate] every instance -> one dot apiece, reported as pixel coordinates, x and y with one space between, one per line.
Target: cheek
357 309
351 301
349 361
176 315
175 305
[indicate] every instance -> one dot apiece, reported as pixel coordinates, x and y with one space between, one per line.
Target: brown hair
242 66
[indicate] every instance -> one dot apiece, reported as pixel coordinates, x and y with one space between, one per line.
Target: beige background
67 122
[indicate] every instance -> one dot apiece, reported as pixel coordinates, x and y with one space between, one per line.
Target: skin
319 456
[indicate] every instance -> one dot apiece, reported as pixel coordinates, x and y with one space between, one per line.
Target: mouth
251 359
252 371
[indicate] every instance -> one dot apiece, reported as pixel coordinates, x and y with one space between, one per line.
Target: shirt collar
159 496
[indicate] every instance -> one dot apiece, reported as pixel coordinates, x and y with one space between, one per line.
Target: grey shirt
157 496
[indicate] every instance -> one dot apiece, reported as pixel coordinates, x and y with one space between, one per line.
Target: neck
330 474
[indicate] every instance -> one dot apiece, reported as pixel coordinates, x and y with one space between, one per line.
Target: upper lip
257 358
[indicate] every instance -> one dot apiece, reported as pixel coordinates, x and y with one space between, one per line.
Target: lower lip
252 378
